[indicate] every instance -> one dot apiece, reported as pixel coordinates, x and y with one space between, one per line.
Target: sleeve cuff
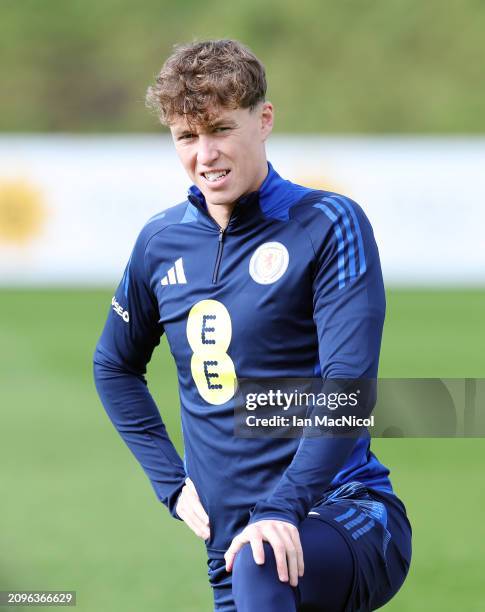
262 512
172 500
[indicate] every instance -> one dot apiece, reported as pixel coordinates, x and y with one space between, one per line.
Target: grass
77 512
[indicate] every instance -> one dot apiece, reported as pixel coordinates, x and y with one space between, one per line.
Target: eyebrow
182 132
219 122
227 122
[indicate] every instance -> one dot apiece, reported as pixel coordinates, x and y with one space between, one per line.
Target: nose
207 152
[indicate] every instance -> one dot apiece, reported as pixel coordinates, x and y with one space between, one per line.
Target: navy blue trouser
357 550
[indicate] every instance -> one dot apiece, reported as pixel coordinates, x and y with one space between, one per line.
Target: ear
266 118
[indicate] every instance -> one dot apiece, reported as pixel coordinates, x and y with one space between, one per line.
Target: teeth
213 176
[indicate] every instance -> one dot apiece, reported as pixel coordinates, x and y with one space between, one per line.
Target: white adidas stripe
179 269
172 279
175 275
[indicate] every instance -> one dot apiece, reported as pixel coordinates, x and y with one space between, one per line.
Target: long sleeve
348 309
131 333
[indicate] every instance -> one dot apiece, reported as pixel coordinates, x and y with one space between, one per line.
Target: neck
221 213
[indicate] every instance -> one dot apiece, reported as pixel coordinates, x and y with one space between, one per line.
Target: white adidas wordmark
176 274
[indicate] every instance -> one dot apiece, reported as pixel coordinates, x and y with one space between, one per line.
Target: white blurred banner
72 206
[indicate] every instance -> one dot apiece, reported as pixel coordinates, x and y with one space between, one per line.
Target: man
250 277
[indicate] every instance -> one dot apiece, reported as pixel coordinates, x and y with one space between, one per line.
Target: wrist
261 512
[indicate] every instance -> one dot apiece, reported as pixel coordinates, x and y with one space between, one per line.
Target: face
226 159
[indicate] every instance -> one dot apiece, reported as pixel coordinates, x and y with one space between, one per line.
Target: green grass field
78 513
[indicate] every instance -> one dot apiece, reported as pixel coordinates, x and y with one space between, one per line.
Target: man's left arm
349 308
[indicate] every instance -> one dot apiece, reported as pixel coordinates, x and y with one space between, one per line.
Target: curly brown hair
200 78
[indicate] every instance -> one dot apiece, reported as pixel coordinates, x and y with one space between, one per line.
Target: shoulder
155 226
325 208
330 215
161 221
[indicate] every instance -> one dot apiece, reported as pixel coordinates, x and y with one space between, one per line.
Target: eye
221 128
187 136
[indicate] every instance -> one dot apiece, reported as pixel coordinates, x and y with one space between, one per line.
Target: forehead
219 116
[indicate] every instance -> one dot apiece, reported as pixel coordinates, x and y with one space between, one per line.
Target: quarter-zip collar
247 210
272 200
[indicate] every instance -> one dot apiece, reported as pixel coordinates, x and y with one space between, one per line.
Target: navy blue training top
291 288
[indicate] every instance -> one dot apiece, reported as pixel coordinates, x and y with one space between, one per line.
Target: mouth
215 177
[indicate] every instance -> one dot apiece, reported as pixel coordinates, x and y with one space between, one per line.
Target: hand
285 541
191 511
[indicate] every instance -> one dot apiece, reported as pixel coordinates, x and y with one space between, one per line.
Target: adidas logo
176 274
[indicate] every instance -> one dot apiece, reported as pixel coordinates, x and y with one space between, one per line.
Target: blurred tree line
378 66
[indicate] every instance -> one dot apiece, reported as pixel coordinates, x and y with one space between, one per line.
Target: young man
253 276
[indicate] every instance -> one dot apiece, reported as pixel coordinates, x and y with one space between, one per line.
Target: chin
219 198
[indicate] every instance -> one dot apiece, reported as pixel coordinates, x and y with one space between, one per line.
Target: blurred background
382 100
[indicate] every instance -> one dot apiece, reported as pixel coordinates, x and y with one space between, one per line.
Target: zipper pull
220 247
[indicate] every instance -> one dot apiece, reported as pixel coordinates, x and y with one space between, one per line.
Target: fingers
191 511
254 538
198 526
291 551
258 550
198 509
195 503
236 545
283 538
295 536
285 542
280 553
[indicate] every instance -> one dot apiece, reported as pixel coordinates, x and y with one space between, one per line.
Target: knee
246 570
257 587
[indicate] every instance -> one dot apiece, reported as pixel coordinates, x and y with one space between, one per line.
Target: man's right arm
131 333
